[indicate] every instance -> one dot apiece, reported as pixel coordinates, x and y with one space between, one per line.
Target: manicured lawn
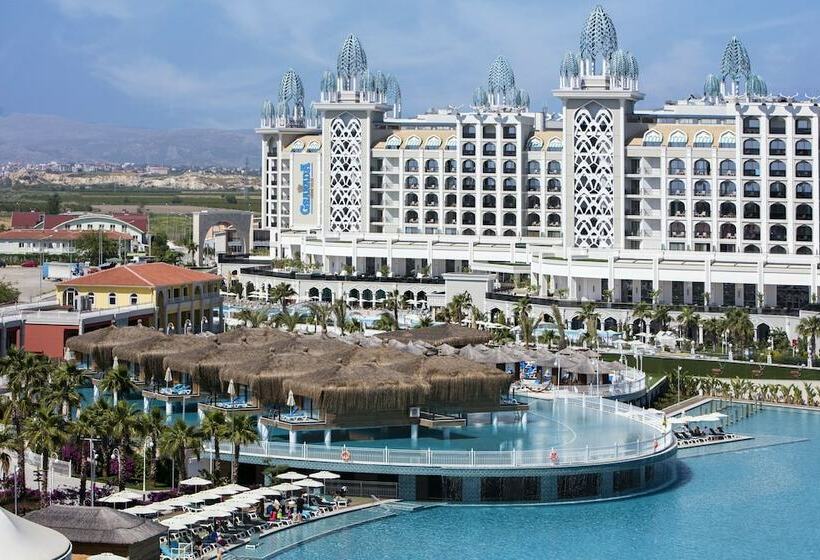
657 366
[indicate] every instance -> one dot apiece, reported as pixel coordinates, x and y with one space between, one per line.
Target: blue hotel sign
307 189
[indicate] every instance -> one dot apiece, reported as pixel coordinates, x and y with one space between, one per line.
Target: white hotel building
710 200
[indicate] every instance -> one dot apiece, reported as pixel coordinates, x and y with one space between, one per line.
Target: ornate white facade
707 200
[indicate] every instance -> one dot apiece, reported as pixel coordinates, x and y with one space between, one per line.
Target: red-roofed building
134 225
50 242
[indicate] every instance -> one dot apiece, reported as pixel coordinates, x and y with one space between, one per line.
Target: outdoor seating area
693 431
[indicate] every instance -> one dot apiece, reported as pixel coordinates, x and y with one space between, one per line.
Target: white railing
634 380
514 458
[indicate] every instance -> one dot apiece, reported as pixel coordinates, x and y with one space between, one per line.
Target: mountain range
30 138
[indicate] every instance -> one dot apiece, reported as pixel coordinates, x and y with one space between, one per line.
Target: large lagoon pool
758 502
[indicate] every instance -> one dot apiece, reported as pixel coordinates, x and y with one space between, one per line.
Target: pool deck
338 511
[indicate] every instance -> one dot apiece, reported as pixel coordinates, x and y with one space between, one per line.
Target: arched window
469 231
411 182
777 190
133 299
468 166
509 219
450 166
488 184
804 251
488 201
804 234
468 184
652 138
431 200
112 299
751 210
411 199
533 167
676 188
488 149
91 298
433 142
703 188
509 166
727 210
554 220
803 212
777 212
676 209
703 209
751 232
777 233
777 125
751 168
431 166
488 219
413 143
703 139
533 184
509 201
509 184
533 202
777 250
677 167
802 148
450 183
450 218
450 200
703 230
751 249
488 131
555 145
452 143
431 217
468 131
554 167
468 219
509 149
553 203
702 167
727 168
727 140
777 168
533 220
297 146
777 147
468 149
728 188
802 169
393 143
314 147
751 189
677 139
802 125
488 166
535 144
728 231
411 165
553 185
677 229
802 190
751 125
411 217
751 147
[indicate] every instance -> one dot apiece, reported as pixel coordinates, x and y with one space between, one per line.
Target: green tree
809 327
688 320
339 308
92 244
81 428
63 393
240 431
280 293
53 204
287 320
8 292
44 433
425 321
252 317
528 326
214 427
122 424
559 322
150 426
321 314
393 302
7 441
739 328
642 311
176 441
118 382
661 317
385 322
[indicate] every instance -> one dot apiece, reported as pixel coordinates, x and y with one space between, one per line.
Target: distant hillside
43 138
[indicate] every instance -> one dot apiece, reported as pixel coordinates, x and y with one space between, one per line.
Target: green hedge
18 258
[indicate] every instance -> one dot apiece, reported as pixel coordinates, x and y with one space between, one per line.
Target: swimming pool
756 503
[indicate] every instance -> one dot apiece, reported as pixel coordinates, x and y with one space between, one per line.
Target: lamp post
679 370
92 460
115 454
146 445
54 457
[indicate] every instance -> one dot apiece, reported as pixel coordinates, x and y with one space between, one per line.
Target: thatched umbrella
454 335
100 344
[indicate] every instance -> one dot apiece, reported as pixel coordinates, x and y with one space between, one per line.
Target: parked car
29 264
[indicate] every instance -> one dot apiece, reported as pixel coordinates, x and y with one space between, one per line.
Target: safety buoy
553 456
345 455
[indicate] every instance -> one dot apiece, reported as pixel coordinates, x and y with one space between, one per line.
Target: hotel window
802 126
803 169
727 140
555 145
112 299
802 190
133 299
313 146
802 148
451 144
393 143
413 143
652 138
433 142
297 146
677 139
703 140
535 144
90 298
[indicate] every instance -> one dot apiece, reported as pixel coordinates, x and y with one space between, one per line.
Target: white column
146 404
169 409
414 432
327 438
96 393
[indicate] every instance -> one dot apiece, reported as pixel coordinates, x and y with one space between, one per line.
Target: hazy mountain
43 138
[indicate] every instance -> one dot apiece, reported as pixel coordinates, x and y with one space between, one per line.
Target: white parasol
309 483
291 401
140 510
169 376
116 363
195 481
231 390
287 487
291 475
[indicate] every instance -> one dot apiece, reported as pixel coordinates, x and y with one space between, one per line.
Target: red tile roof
54 235
139 221
51 221
25 220
149 275
29 220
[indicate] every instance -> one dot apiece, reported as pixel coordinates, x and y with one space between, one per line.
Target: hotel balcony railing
662 441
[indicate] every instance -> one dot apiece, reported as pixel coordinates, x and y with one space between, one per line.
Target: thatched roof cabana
101 344
92 530
454 335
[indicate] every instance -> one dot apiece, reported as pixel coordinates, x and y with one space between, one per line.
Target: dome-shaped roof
479 97
598 38
328 82
711 87
500 78
634 69
267 109
380 82
351 60
569 66
290 88
619 64
735 62
756 86
393 89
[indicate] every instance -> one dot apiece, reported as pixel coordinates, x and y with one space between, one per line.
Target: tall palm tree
712 329
385 322
118 382
321 314
83 427
393 302
7 441
528 326
214 426
44 433
590 318
252 317
458 305
548 337
687 320
287 320
339 309
522 308
280 293
176 441
240 431
739 328
476 316
661 316
809 327
425 321
151 425
642 311
559 322
63 393
123 420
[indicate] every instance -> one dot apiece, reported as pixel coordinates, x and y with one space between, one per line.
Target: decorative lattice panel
345 175
593 177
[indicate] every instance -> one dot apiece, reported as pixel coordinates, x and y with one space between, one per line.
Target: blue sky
203 63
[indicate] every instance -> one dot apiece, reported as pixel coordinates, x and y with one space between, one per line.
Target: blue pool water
755 503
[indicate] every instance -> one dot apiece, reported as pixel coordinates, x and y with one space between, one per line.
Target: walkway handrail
515 458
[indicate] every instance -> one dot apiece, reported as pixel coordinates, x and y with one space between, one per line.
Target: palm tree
150 426
590 319
548 337
321 314
214 426
522 308
83 427
280 293
642 311
687 320
44 433
655 295
118 382
191 247
476 316
661 317
7 441
425 321
63 393
339 309
240 431
739 328
252 317
559 322
457 306
502 336
712 329
809 327
393 302
176 441
528 326
385 322
287 320
123 420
